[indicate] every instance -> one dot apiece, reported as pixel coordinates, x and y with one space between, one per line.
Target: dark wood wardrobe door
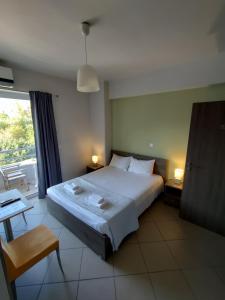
203 197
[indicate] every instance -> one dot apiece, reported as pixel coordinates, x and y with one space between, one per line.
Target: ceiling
129 37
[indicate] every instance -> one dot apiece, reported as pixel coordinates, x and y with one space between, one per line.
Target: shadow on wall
218 30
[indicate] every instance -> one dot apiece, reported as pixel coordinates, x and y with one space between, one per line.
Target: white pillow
120 162
141 166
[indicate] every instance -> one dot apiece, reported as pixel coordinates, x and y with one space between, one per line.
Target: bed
95 229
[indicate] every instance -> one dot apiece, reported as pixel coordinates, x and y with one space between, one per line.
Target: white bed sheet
142 189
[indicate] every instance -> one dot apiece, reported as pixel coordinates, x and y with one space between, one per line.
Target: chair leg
23 214
26 182
59 260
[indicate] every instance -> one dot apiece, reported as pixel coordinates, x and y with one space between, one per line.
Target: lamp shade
87 79
94 159
178 174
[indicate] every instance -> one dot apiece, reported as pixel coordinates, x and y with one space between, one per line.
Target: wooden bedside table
92 167
173 191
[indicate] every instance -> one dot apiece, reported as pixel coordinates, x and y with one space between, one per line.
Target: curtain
47 152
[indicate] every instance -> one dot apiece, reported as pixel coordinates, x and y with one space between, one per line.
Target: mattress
140 189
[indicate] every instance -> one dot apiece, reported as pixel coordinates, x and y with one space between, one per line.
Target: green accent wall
162 119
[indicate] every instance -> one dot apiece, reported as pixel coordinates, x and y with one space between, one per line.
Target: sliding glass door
18 164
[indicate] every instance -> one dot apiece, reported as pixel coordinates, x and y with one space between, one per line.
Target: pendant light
87 79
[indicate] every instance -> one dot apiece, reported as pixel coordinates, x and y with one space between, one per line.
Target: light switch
151 145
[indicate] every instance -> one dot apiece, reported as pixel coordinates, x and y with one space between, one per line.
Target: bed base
98 242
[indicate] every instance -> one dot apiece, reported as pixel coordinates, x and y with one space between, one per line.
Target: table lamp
178 175
94 159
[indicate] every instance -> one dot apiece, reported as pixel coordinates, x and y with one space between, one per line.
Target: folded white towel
78 190
72 188
102 205
95 199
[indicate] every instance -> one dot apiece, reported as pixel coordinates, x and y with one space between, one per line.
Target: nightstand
93 167
173 191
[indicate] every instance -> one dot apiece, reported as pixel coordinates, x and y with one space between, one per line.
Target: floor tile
59 291
34 275
71 260
158 257
40 207
130 239
32 222
205 284
56 231
175 230
2 228
51 222
134 287
221 273
18 233
198 253
96 289
3 236
171 285
146 216
129 260
93 266
161 212
215 252
189 247
68 240
188 254
28 292
148 232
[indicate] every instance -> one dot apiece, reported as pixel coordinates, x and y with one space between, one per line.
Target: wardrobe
203 197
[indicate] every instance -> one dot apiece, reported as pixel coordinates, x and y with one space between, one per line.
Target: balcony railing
16 155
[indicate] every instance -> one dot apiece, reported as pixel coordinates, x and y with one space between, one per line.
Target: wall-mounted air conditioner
6 77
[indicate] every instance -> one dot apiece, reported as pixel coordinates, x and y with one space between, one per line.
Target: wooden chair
25 251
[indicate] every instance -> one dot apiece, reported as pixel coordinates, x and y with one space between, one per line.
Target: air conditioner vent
6 77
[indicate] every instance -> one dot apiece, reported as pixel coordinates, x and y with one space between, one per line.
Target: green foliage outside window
16 135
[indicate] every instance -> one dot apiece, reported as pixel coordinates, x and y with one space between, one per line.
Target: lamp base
178 181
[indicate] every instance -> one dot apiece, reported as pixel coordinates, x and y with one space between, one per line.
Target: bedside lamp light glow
178 174
94 159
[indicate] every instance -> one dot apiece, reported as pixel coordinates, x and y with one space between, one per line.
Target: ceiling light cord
85 47
87 78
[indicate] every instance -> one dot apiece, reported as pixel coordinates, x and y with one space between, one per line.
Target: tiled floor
167 259
33 190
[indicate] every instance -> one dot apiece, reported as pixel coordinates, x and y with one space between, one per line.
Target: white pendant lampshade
87 79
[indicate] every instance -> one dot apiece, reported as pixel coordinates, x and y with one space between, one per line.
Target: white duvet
128 195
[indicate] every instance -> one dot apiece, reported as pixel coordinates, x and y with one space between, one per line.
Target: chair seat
31 247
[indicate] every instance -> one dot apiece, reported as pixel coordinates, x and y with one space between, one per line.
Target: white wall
203 72
71 115
100 123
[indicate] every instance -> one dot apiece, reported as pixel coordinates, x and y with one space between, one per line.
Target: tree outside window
16 131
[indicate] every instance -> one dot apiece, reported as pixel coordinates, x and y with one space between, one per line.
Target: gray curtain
48 161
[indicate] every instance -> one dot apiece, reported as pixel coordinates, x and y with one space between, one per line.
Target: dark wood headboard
160 167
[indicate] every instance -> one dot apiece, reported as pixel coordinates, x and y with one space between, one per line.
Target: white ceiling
129 37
